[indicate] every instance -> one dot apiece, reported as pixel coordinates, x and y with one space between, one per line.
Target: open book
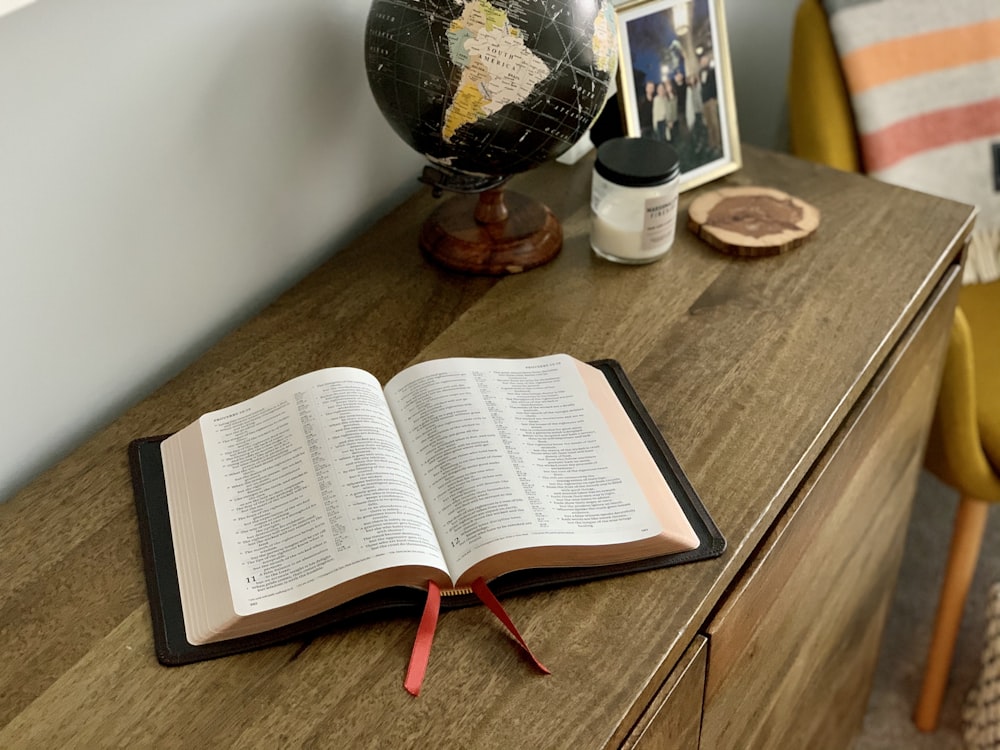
330 494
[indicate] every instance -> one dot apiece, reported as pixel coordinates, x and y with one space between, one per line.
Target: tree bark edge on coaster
752 221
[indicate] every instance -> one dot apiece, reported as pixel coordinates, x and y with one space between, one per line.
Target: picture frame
682 42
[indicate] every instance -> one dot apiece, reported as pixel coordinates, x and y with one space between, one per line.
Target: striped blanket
924 82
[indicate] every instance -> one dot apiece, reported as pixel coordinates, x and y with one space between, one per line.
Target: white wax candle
633 200
631 227
617 228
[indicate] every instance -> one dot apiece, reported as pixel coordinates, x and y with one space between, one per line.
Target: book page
511 454
312 488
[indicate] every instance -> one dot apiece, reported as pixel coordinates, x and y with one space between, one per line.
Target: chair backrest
821 124
909 92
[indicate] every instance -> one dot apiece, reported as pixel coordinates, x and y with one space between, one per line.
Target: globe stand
492 233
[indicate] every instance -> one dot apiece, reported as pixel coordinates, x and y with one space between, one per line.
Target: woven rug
981 712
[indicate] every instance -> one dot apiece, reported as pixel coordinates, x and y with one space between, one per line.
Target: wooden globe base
492 233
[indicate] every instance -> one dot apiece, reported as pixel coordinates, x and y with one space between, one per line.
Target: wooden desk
796 392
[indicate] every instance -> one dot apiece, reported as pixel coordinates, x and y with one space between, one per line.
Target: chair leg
967 537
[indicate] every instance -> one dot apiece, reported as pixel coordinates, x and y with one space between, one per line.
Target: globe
490 88
485 89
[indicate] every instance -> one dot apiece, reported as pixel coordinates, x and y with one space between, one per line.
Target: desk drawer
793 646
673 718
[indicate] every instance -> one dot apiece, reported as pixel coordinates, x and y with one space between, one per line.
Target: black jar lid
637 162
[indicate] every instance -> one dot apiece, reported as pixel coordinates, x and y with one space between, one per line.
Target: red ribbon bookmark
493 604
421 653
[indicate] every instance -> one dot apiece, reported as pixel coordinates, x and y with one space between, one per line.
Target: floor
888 724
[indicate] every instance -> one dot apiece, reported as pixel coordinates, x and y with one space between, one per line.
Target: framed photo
676 84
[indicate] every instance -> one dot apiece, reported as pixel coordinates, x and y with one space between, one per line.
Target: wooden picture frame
683 42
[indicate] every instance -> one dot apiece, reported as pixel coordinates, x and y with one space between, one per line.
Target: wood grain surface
673 718
752 221
492 233
794 645
748 367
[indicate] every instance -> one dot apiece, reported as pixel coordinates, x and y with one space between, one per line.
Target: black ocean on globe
490 87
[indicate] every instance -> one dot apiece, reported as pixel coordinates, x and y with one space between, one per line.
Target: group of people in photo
683 110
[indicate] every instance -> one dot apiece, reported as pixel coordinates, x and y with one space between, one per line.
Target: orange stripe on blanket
909 56
945 127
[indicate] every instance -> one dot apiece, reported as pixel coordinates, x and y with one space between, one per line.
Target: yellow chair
964 444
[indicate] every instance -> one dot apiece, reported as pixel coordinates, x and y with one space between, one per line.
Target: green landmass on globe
490 87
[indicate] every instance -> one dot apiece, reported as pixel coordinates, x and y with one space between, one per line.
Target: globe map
490 87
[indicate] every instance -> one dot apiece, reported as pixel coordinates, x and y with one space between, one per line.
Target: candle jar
633 201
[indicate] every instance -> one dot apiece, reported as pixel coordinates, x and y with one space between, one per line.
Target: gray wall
168 168
760 40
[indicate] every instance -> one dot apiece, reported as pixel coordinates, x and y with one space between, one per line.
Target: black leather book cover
172 647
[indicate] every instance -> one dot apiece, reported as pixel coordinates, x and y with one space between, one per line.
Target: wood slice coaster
752 221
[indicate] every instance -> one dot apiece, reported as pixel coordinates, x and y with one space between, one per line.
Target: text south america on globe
490 87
